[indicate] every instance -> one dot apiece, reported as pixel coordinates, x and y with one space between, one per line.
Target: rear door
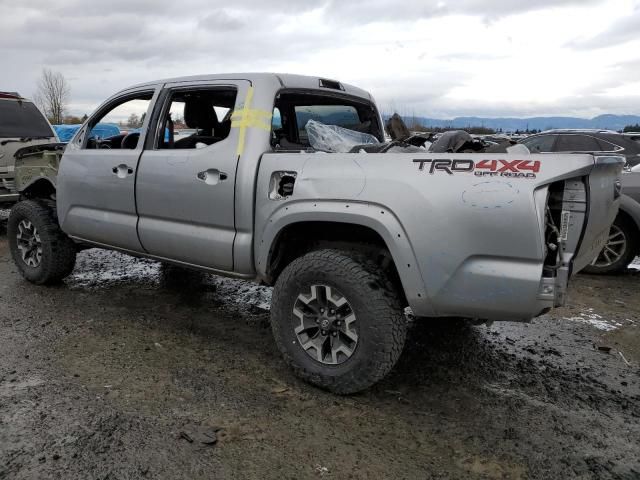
185 186
96 181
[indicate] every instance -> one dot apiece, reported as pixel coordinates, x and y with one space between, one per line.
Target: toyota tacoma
287 180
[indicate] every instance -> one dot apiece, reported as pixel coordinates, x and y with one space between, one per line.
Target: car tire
622 229
356 352
43 253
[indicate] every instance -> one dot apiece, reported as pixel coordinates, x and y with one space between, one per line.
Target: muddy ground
128 371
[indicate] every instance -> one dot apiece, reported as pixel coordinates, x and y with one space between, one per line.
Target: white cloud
432 58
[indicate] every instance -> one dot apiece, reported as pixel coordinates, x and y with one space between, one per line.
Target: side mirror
636 169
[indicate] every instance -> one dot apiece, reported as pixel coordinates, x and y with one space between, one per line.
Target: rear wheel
337 320
40 249
619 251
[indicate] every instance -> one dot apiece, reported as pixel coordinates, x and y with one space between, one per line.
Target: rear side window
197 117
19 119
606 146
577 143
344 116
541 144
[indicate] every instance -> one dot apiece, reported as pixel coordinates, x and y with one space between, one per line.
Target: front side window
196 118
541 144
119 126
21 119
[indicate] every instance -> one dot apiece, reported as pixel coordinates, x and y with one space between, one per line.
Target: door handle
212 176
122 170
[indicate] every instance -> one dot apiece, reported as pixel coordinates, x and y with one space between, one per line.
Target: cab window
294 109
344 116
196 118
120 125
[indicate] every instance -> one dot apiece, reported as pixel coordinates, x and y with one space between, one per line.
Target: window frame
604 141
82 137
163 105
336 96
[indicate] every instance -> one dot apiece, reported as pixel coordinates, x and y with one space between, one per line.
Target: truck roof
286 80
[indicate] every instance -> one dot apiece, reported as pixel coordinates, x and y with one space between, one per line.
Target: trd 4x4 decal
482 168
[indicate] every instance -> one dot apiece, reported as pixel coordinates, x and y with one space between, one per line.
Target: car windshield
20 119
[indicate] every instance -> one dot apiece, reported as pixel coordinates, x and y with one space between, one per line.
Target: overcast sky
431 58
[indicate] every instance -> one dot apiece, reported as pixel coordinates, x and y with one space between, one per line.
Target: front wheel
337 320
619 251
40 249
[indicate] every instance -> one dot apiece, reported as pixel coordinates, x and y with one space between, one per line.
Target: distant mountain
608 122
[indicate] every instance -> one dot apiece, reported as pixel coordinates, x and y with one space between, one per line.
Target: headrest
198 113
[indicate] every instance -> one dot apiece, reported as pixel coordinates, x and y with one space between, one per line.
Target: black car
624 237
585 141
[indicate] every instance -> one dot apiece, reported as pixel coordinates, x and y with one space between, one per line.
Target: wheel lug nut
322 310
332 312
324 332
334 334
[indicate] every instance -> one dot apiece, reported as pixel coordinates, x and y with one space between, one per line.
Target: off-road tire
632 246
382 325
58 250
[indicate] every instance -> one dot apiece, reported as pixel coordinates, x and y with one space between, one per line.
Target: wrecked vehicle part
396 128
399 132
21 124
36 164
335 139
456 141
394 146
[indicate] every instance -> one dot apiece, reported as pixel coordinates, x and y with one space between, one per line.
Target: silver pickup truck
348 240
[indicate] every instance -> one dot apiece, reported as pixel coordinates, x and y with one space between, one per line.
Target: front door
96 181
186 178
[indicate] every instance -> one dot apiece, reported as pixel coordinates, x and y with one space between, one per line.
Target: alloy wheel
29 243
613 250
327 331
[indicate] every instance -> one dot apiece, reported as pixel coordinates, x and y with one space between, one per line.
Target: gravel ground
130 370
